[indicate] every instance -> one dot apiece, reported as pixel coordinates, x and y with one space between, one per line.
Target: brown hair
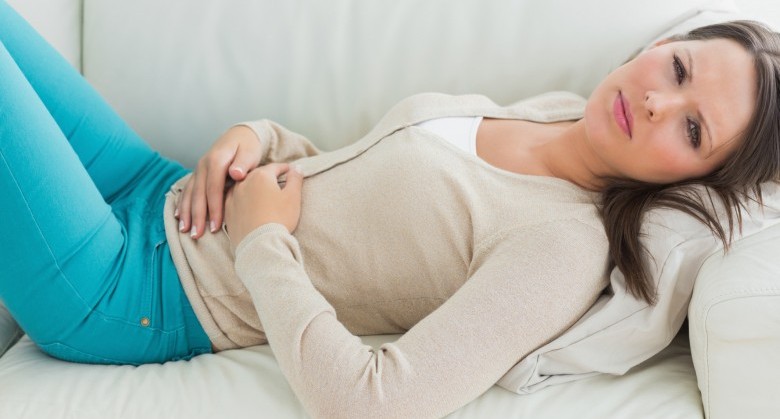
757 160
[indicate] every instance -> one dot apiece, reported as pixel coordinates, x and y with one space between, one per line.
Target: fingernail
176 213
298 168
181 225
237 169
194 232
213 226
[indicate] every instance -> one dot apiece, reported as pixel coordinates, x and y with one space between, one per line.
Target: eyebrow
698 112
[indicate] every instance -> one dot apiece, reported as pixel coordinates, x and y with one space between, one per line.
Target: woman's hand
259 200
237 152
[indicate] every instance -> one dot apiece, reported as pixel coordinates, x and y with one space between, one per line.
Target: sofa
182 71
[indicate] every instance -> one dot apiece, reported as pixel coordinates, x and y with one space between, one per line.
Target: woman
478 256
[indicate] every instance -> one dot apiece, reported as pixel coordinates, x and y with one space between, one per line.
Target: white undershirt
460 131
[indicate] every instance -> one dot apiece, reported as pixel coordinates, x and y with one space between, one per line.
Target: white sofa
182 71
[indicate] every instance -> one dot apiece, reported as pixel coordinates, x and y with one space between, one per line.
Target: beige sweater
401 232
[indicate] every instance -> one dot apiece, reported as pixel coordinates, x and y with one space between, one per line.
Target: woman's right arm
235 153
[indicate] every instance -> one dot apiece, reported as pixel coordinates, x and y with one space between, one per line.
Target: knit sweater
401 232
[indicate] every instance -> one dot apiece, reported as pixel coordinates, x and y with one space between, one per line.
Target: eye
693 131
679 69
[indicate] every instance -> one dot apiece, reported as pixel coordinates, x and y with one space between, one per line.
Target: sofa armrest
734 321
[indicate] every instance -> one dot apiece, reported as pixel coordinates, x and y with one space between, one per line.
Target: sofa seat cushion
248 384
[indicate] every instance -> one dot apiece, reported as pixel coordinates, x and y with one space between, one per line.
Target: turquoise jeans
85 267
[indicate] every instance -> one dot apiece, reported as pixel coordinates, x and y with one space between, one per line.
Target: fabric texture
477 266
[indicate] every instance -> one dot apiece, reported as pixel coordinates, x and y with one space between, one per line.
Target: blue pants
85 267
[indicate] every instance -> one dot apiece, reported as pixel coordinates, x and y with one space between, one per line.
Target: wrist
269 228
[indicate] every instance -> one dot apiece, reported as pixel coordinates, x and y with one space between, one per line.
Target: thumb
237 172
246 159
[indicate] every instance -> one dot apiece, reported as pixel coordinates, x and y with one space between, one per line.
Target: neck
569 156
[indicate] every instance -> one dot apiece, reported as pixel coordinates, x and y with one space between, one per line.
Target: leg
86 281
115 157
60 233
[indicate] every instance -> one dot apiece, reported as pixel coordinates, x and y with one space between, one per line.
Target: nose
661 104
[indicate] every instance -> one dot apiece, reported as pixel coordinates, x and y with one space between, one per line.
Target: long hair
739 179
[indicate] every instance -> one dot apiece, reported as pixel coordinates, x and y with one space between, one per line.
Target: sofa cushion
59 21
247 383
9 330
331 69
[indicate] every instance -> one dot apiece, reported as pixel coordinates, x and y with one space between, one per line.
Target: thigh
88 281
146 317
59 233
112 153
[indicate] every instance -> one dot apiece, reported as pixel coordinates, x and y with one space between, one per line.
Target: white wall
767 11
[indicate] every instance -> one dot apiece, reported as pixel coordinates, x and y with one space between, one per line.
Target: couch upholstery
182 71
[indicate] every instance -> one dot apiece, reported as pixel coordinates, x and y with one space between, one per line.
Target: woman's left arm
525 289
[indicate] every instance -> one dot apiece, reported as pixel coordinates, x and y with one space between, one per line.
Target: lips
622 114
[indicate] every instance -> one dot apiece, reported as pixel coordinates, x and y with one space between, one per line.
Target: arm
519 296
239 150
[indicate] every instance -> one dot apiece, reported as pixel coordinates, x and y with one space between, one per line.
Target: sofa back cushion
59 21
182 71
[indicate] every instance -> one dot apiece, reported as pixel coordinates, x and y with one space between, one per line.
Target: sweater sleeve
525 287
279 144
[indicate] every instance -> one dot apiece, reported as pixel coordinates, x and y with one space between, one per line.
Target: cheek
670 162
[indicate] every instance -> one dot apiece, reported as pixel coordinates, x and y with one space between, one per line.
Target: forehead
724 86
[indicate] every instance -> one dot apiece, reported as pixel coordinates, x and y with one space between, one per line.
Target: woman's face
674 112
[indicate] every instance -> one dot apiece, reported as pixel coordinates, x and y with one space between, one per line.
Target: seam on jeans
35 220
100 360
43 236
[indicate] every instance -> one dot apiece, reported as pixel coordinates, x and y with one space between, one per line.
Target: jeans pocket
160 306
152 284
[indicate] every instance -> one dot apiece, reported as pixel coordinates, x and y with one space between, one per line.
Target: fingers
237 172
293 183
231 158
204 194
292 194
185 205
198 202
204 189
275 169
215 193
247 158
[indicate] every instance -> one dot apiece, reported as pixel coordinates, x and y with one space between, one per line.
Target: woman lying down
479 232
